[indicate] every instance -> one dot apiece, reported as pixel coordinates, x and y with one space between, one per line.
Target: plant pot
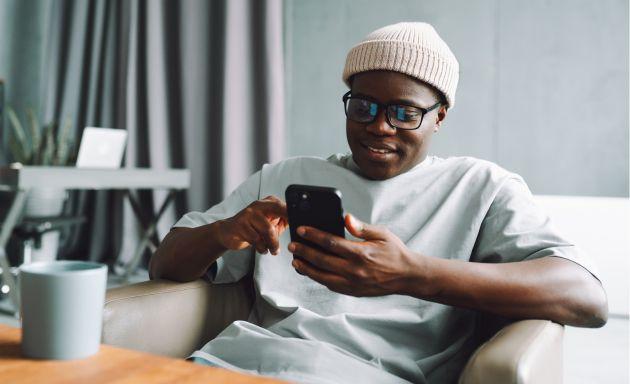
44 202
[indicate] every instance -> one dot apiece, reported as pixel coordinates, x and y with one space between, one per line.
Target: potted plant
42 145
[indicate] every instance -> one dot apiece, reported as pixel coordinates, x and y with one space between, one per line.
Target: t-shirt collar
350 164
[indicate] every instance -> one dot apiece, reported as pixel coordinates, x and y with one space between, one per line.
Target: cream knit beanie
414 49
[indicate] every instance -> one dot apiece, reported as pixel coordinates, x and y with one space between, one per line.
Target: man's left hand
379 265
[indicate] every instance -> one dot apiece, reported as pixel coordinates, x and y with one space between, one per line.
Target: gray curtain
197 84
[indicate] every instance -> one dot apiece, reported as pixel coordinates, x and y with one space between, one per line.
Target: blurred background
221 87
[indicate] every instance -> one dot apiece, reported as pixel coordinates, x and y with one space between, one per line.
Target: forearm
547 288
185 254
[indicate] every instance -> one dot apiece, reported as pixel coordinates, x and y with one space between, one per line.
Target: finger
272 205
363 230
238 236
319 259
279 224
260 247
332 243
275 245
332 281
255 240
249 234
266 231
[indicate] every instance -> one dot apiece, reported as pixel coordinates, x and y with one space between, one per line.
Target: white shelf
26 177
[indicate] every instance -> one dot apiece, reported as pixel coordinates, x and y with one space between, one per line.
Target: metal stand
22 178
5 233
146 241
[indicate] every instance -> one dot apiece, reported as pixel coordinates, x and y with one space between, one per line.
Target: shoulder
482 178
475 169
300 170
294 162
467 162
300 164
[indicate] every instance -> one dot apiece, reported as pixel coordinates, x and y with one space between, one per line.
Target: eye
364 108
406 113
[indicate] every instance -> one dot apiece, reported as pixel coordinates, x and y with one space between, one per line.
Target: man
431 242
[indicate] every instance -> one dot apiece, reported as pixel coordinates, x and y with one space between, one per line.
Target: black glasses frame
348 95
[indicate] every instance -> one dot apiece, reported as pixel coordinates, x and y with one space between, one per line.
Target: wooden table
109 365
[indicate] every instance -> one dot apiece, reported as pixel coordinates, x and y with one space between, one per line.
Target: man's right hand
258 225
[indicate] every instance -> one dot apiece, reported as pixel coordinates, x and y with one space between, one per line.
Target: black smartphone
318 207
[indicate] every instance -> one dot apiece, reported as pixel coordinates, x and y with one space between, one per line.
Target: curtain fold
196 84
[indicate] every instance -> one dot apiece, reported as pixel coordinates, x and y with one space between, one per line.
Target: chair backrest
173 319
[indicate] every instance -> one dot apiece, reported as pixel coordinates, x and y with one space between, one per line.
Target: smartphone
314 206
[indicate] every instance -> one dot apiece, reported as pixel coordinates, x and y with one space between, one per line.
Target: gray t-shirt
456 208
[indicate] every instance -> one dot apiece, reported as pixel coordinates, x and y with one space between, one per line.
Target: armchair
190 314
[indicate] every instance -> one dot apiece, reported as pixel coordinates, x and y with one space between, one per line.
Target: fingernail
301 231
291 247
295 263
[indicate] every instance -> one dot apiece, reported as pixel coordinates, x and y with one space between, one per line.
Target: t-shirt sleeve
515 228
233 265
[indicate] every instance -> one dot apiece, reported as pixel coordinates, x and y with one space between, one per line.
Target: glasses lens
361 111
404 116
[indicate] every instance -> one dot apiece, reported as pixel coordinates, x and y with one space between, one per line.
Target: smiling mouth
377 150
379 154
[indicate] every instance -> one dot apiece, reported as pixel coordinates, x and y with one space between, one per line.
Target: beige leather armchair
174 319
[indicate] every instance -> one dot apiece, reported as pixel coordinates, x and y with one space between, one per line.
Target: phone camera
305 205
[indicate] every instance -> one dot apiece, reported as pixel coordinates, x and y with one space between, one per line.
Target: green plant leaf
41 145
36 135
20 136
16 150
38 152
47 150
64 143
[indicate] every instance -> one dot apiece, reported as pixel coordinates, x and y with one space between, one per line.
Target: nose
380 126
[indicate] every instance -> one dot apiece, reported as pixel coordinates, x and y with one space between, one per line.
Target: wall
543 88
600 227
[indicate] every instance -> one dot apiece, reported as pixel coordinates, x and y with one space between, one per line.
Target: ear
442 111
441 115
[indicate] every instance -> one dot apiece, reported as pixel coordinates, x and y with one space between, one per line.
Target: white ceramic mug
62 308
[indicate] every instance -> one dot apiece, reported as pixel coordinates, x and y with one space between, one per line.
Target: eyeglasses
398 116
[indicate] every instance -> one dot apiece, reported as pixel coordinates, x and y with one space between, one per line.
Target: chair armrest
172 319
527 351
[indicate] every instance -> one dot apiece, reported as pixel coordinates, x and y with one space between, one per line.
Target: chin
375 171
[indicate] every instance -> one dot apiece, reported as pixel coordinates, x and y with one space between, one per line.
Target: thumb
360 229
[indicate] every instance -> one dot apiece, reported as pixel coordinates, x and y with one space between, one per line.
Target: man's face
381 151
